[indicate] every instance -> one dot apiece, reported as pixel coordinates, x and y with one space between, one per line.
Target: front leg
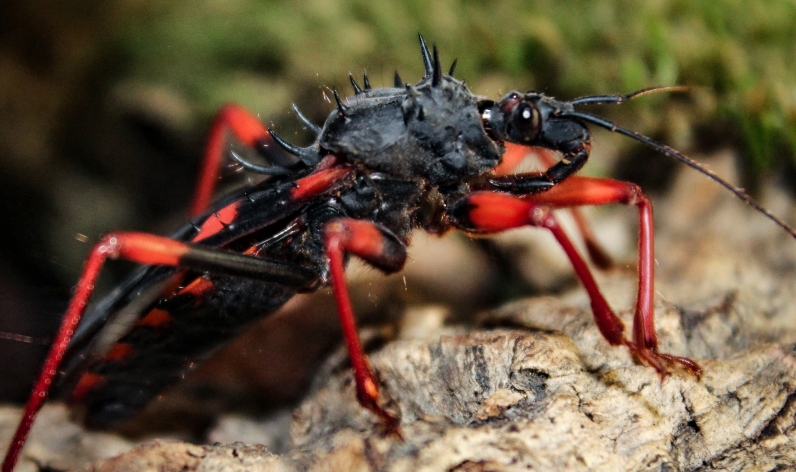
573 158
490 212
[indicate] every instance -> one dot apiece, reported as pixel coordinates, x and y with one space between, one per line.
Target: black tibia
240 265
526 184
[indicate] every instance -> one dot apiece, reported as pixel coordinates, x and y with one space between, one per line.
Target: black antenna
617 99
666 150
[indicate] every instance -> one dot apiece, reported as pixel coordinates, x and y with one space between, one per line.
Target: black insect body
386 162
430 132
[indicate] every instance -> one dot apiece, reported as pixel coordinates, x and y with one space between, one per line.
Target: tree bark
533 385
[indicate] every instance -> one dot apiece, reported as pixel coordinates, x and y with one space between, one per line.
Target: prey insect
386 162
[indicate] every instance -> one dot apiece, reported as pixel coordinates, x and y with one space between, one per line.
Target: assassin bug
386 161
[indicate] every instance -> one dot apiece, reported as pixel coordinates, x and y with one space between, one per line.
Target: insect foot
663 362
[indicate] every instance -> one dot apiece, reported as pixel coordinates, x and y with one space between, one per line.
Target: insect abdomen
168 341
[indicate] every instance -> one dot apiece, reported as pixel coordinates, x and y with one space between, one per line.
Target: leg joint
375 244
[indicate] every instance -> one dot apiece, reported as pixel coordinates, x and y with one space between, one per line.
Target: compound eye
526 123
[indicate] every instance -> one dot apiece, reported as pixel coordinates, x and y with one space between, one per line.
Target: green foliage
265 53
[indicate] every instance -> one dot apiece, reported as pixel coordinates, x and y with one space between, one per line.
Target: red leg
149 250
512 158
514 155
578 191
245 127
107 247
491 212
597 254
382 249
73 314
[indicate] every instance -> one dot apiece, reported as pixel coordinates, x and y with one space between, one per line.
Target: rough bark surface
534 386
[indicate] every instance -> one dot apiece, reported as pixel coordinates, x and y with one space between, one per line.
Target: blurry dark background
104 106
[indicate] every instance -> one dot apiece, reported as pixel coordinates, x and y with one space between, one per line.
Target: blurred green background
105 103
